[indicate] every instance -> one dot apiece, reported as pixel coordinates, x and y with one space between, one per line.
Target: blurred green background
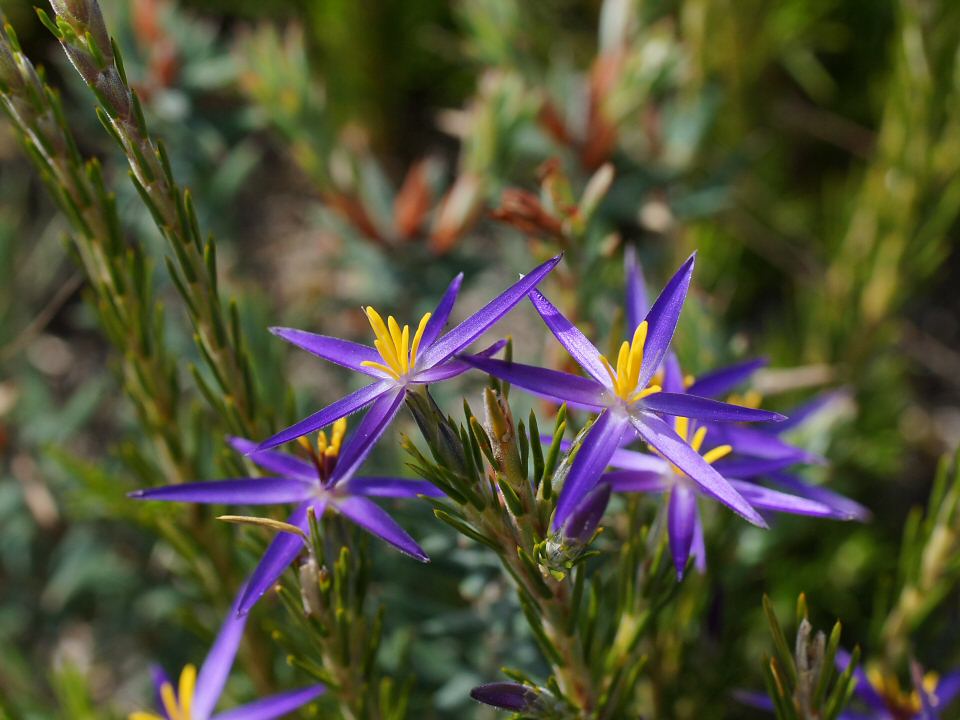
808 149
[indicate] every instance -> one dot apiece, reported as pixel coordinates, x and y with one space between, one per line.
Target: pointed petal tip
136 494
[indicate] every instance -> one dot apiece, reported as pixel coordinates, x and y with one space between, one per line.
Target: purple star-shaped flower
196 695
626 399
400 359
326 483
640 472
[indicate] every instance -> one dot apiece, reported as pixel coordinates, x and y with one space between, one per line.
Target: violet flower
326 483
398 360
626 399
885 699
640 472
196 694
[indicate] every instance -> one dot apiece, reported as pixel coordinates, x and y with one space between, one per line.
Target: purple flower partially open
885 700
328 482
626 399
399 358
196 695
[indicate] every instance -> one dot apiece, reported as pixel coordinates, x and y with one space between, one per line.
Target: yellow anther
641 394
322 443
626 376
176 706
698 438
170 704
720 451
682 426
393 343
688 380
336 435
188 682
304 443
750 399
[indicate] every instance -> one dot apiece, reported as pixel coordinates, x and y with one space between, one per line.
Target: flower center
682 427
399 355
177 705
326 452
902 704
629 362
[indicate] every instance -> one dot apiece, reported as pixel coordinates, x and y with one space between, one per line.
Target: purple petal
691 406
622 458
505 695
843 505
575 342
216 667
440 316
722 381
767 499
281 552
454 366
478 323
744 468
636 289
243 491
663 317
699 547
583 521
673 375
549 383
948 688
333 412
593 456
760 443
275 462
864 689
635 481
662 437
374 519
390 487
342 352
681 519
365 437
274 706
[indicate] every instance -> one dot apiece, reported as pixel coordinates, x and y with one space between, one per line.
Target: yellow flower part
399 355
895 697
629 362
749 399
179 705
682 427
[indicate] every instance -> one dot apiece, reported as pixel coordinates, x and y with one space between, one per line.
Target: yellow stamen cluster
750 399
682 426
179 705
897 699
393 343
327 448
629 362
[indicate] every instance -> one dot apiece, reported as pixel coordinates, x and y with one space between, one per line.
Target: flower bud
583 521
506 696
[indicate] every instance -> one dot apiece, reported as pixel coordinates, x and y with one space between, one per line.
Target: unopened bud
310 587
85 17
506 696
